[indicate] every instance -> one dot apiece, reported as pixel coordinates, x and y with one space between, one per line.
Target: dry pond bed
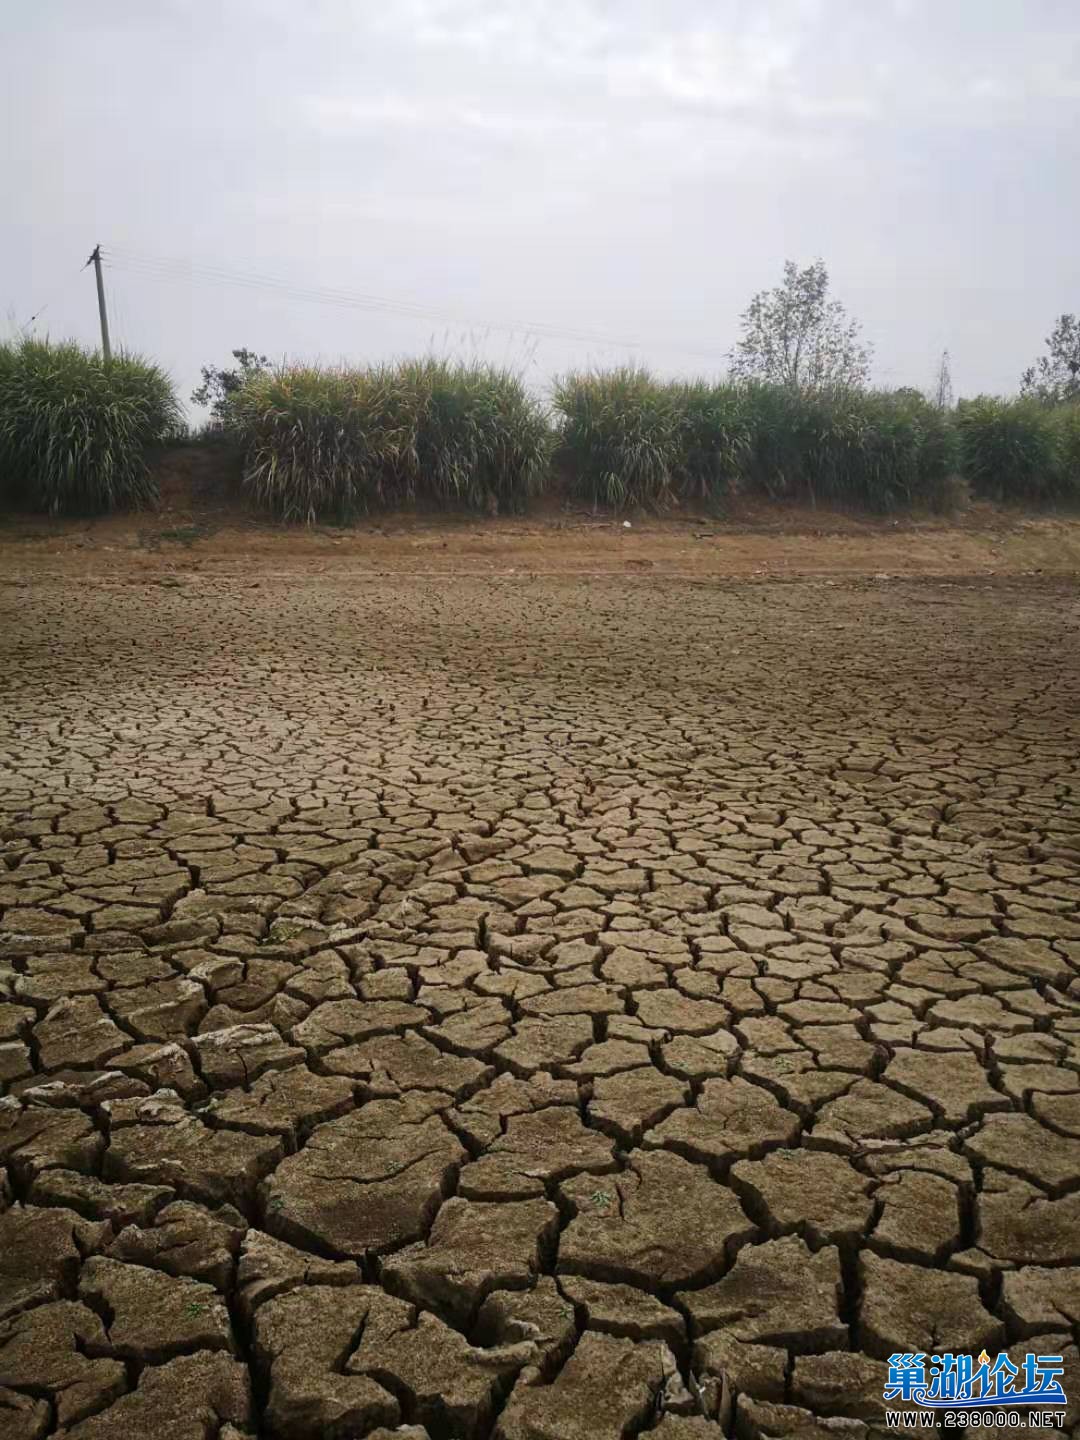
537 1006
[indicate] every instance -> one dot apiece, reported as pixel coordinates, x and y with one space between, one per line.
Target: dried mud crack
531 1008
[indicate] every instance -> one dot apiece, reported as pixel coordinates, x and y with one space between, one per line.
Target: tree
1055 378
795 335
220 385
943 391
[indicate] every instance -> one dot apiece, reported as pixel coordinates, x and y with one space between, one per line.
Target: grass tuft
620 435
331 443
74 431
1020 450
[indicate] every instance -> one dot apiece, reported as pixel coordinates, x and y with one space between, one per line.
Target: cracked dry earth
531 1009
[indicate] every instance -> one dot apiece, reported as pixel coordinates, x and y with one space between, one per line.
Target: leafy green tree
219 385
1055 377
794 335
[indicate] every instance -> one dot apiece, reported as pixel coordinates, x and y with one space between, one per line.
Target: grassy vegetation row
74 431
629 439
335 442
322 442
1019 450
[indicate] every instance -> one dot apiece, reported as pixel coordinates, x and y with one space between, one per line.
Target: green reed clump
629 439
1020 450
481 439
715 438
336 442
320 441
776 462
632 440
74 431
878 450
1067 420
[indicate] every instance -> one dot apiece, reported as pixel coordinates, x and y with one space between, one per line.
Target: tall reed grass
335 442
324 441
1020 450
629 439
878 450
620 436
74 431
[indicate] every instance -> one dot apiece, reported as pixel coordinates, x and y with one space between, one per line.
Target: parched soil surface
535 1007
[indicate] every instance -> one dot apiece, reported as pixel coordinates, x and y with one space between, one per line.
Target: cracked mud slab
544 1009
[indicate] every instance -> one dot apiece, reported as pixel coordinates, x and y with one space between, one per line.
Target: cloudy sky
544 182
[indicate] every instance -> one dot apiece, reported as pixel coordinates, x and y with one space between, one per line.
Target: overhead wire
170 269
183 272
53 297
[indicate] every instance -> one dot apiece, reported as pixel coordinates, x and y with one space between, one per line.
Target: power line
176 270
189 272
195 271
54 296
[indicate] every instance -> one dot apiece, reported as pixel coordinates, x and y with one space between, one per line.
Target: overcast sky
631 171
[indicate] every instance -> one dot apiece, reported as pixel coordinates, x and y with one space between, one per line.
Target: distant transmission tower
943 391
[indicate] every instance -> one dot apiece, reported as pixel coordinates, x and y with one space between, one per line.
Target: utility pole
106 348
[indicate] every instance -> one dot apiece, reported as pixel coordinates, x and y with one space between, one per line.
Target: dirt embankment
203 522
